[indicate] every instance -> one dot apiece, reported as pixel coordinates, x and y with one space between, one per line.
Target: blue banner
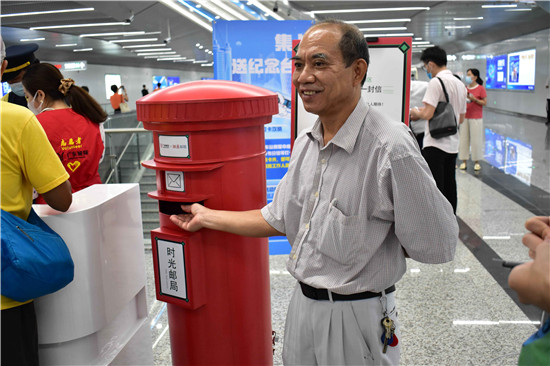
259 53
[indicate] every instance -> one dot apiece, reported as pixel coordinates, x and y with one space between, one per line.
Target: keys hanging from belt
388 335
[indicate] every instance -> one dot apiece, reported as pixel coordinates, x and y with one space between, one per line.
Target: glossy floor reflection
458 313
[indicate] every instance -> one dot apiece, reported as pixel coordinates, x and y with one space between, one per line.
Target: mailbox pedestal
210 149
100 317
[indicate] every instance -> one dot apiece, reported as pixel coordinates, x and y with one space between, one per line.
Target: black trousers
19 336
442 165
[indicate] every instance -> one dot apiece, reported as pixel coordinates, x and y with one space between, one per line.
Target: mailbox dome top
207 100
203 90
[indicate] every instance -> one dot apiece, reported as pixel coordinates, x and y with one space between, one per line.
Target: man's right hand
191 220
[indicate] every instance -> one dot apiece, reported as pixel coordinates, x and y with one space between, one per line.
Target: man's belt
322 294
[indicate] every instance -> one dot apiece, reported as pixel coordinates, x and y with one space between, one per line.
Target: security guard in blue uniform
19 57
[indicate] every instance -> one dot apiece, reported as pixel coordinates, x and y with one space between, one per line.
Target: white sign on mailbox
174 181
174 146
171 268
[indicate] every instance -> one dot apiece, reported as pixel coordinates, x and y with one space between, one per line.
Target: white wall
525 102
132 78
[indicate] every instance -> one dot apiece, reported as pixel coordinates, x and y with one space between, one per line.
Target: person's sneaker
477 167
463 166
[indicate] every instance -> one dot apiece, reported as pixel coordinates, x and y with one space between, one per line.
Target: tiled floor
458 313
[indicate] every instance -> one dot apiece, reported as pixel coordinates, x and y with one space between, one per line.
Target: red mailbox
209 148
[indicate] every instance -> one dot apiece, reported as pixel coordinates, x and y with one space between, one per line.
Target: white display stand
99 318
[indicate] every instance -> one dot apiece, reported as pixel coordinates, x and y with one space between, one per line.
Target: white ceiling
183 34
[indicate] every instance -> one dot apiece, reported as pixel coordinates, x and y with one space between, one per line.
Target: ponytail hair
475 72
47 78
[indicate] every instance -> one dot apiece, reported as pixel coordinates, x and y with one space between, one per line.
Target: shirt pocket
341 239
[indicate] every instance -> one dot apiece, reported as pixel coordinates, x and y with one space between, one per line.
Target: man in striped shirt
358 199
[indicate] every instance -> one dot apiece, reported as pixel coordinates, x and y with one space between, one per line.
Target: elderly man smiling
358 199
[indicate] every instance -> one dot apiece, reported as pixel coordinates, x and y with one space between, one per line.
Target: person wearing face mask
71 119
440 154
19 58
471 131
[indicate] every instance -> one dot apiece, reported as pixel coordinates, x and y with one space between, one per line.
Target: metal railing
125 148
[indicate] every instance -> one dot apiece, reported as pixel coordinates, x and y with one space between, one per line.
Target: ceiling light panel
198 10
145 45
369 10
403 20
230 9
112 34
153 50
382 29
489 6
134 40
266 10
34 13
186 13
458 26
474 18
61 26
32 39
156 53
220 13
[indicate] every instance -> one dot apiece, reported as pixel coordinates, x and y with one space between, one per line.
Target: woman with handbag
440 150
71 119
27 160
119 101
471 131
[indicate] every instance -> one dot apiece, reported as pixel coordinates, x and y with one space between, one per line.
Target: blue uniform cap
19 58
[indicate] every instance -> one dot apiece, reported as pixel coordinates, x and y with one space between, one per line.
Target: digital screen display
173 80
160 79
496 72
521 70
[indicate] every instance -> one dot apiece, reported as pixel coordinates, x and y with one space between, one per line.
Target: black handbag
443 123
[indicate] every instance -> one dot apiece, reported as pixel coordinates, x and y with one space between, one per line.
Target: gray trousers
321 332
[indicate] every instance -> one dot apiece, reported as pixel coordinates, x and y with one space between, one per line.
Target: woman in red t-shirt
71 119
471 130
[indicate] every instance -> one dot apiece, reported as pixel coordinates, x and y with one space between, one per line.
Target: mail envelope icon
174 181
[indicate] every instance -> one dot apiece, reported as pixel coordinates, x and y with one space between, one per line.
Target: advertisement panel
496 72
258 53
521 70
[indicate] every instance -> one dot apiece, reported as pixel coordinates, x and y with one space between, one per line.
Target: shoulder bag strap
444 90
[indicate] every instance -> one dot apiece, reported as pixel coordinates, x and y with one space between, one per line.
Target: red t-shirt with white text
77 142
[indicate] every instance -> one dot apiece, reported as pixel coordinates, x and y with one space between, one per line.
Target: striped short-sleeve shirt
352 208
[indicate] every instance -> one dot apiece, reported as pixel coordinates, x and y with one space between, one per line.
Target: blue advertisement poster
514 69
172 80
160 79
496 72
259 53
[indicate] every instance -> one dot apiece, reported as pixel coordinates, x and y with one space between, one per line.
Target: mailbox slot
174 208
